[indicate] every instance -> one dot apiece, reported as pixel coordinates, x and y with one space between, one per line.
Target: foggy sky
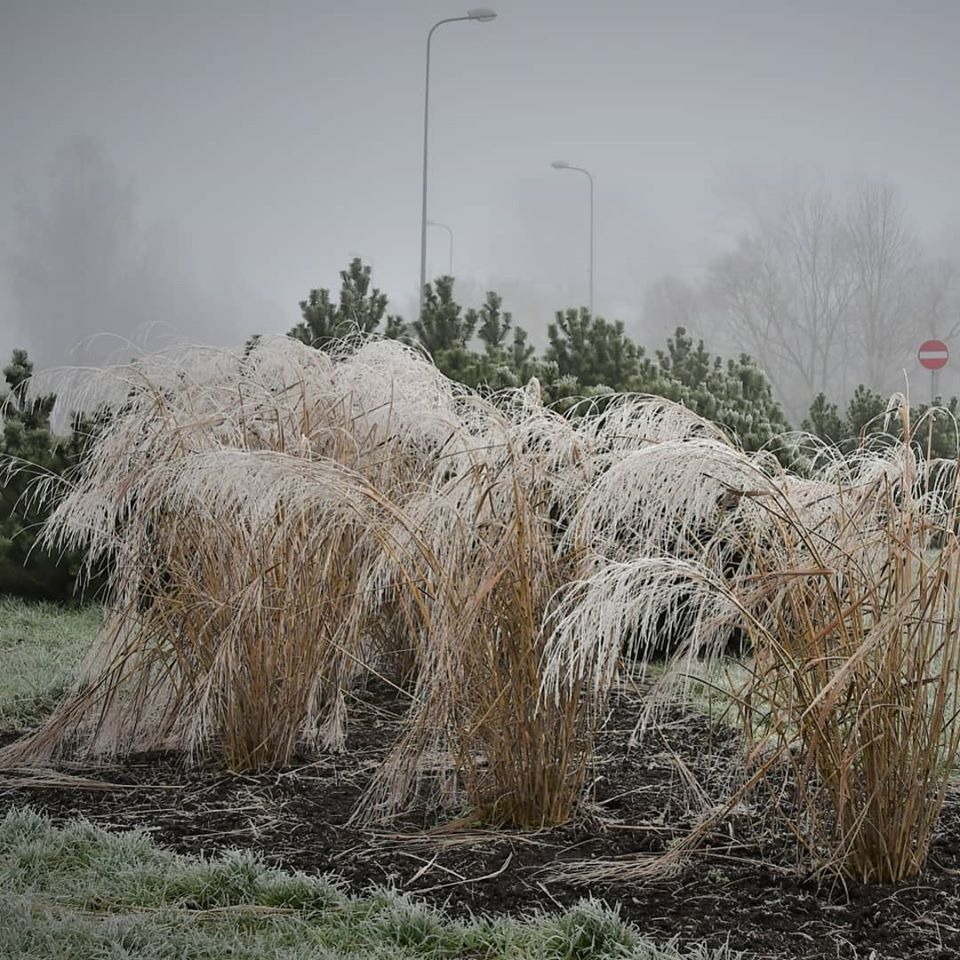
263 145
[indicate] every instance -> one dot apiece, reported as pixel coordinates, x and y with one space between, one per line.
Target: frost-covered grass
714 687
40 647
82 893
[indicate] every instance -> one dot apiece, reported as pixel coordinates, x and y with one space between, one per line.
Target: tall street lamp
481 15
563 165
443 226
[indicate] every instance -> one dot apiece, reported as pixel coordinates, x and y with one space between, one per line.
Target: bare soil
746 890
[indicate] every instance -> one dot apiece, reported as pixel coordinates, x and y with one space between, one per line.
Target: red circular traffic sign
933 354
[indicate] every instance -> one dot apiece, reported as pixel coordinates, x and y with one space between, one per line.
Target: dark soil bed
746 890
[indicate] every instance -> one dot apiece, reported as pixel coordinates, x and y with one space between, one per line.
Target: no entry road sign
933 354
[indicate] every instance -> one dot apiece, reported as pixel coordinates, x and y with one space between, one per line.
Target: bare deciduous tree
828 292
936 292
786 292
885 257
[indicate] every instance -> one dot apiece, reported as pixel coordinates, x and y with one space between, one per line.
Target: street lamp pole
481 15
443 226
563 165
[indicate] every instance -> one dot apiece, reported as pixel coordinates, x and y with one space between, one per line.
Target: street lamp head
482 14
560 165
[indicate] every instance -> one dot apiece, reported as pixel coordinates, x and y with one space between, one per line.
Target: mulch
746 890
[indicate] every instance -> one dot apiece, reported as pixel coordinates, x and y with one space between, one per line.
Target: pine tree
492 325
592 350
521 357
866 419
733 393
360 309
29 449
824 421
440 326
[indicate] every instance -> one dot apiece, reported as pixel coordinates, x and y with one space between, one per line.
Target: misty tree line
829 290
482 347
827 286
822 303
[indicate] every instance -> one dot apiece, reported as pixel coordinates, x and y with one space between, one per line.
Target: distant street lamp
443 226
481 15
563 165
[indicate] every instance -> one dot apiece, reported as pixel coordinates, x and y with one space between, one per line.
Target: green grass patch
83 893
41 645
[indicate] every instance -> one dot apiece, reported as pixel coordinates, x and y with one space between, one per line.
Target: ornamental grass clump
237 498
846 584
478 716
857 670
499 524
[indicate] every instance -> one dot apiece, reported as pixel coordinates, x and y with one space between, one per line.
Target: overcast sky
265 144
